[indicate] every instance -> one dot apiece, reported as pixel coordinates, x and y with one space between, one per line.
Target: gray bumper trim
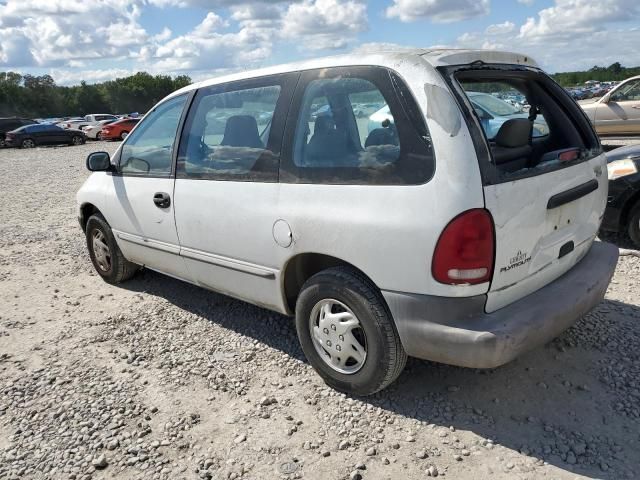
457 331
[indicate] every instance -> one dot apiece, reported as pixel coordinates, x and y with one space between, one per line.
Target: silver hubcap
77 140
28 144
338 336
124 135
101 251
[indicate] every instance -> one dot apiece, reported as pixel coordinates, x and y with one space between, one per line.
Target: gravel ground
160 379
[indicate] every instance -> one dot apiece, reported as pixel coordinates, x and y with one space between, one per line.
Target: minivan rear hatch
543 169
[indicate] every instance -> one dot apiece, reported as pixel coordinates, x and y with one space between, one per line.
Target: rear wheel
124 135
104 252
347 332
28 143
633 229
77 140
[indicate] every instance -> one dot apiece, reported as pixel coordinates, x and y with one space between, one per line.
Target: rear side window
226 136
349 127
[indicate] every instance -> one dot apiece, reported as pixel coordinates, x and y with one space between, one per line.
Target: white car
91 119
422 237
95 131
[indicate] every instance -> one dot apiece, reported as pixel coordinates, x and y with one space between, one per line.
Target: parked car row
593 90
28 133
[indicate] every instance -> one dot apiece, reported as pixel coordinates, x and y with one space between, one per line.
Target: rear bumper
457 331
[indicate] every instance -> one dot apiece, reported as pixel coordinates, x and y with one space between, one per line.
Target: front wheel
28 143
77 140
124 135
347 332
104 252
633 228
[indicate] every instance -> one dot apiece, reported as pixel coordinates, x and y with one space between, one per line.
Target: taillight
465 250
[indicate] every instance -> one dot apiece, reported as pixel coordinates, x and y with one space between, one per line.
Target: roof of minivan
436 57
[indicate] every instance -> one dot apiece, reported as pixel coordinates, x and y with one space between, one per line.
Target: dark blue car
43 134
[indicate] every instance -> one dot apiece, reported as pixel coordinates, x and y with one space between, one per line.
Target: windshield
493 105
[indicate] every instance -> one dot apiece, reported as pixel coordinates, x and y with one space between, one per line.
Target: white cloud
500 28
439 11
577 17
51 33
570 35
325 24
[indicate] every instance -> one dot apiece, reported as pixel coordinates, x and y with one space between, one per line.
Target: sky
97 40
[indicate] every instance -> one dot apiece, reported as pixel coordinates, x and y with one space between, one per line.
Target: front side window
630 91
149 148
352 129
227 134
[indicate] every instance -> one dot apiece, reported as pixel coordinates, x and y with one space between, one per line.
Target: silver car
618 111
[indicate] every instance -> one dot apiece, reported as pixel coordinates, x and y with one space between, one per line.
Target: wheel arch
86 210
627 209
303 266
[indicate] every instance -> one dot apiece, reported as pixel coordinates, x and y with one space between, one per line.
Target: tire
112 267
77 140
28 143
633 227
357 296
99 136
123 135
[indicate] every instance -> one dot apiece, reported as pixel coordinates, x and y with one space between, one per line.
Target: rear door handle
572 194
162 200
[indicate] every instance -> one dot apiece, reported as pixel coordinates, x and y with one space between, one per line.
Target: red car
118 130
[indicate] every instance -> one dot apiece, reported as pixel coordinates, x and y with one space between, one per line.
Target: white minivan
428 235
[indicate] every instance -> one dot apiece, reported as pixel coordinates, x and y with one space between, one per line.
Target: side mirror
99 162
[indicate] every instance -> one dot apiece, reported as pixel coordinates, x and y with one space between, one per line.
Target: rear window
523 123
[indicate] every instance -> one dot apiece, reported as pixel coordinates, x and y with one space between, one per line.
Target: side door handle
162 200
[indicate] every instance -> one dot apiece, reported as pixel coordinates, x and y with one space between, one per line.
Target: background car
493 112
118 130
30 136
92 119
618 111
94 132
622 214
8 124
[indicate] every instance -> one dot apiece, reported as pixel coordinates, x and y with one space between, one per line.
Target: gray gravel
159 379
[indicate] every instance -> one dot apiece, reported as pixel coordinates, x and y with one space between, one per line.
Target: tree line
39 97
614 72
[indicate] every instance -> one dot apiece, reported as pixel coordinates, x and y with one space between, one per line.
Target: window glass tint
149 149
356 125
345 123
226 136
497 102
629 91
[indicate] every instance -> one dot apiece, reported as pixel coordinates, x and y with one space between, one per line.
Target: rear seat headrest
514 133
